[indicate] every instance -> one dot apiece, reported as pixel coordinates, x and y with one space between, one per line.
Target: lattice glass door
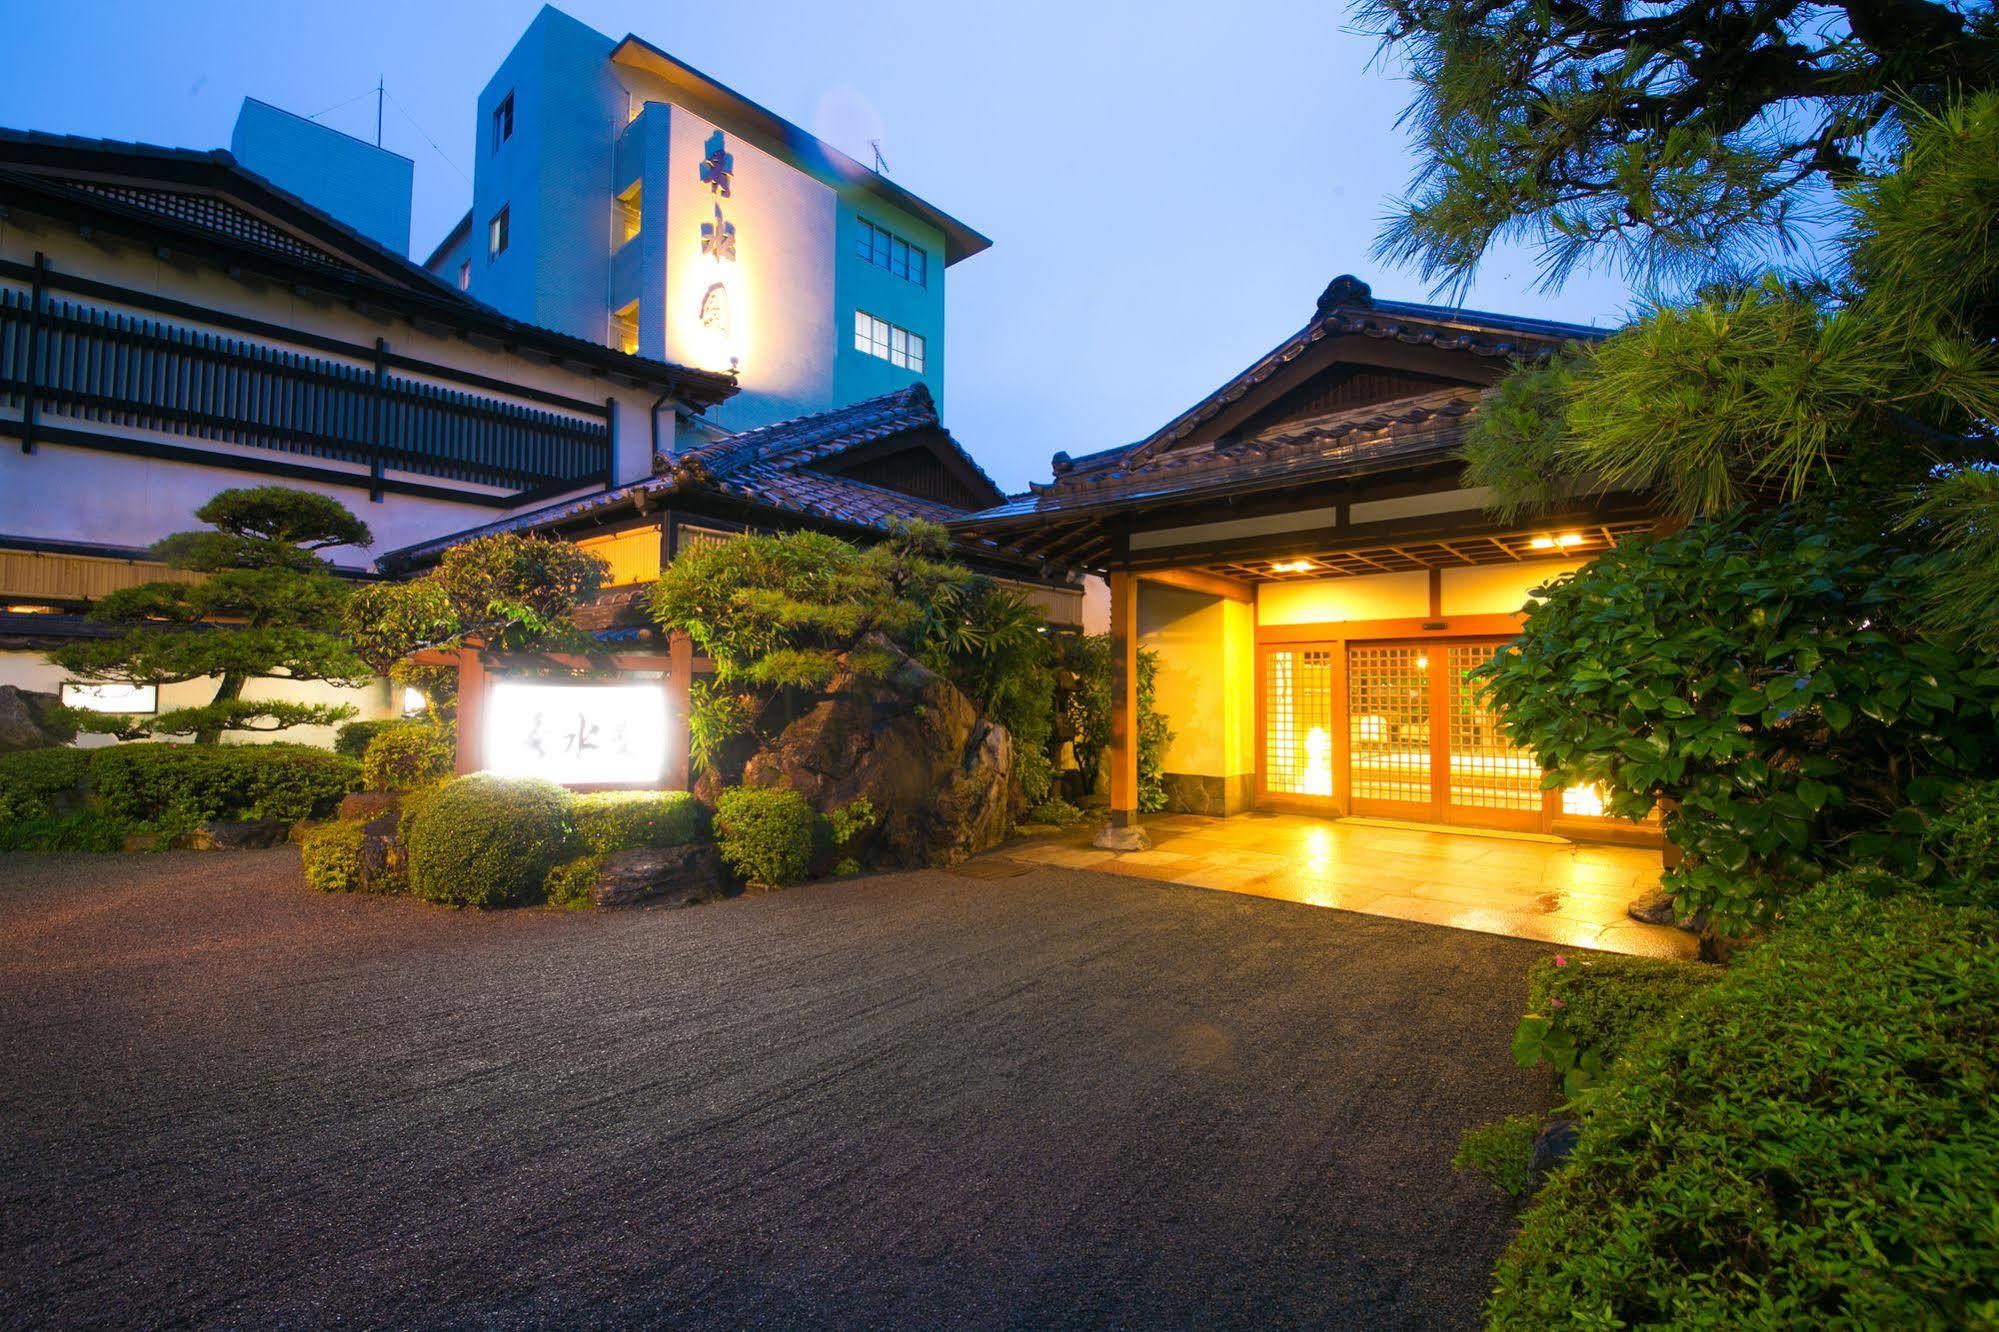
1298 722
1491 782
1388 727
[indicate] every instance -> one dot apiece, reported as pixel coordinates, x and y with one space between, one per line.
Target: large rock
670 876
237 835
31 720
937 773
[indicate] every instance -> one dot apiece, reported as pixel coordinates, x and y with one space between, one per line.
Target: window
897 346
503 121
496 235
625 329
633 105
886 250
625 212
465 276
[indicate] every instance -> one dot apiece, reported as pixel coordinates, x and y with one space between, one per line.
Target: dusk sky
1168 186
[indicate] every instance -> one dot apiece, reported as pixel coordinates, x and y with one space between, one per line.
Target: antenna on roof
379 90
881 163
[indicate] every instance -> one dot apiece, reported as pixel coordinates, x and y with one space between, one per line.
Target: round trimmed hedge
487 841
765 833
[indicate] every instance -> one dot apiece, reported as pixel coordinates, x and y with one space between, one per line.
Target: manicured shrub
1810 1141
1502 1152
352 738
1058 812
331 853
487 841
407 755
1770 673
570 883
171 787
765 833
35 783
86 831
608 821
1582 1009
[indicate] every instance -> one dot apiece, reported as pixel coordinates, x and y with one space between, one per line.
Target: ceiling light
1292 566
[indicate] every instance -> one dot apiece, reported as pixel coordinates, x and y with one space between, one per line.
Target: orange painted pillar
471 711
1124 698
679 735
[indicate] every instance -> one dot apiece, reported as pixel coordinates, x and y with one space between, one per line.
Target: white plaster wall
1204 686
87 495
1499 588
374 700
1328 600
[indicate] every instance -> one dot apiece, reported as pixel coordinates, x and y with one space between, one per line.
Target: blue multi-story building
624 197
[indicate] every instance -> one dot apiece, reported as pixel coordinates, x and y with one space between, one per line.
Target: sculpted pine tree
265 607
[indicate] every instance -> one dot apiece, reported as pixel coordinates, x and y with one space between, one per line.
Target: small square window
886 250
503 121
496 235
897 346
625 329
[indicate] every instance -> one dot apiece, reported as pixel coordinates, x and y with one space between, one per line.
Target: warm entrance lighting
1562 542
610 734
1292 566
1318 779
1583 802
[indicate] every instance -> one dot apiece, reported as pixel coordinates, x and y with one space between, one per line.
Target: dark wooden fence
64 359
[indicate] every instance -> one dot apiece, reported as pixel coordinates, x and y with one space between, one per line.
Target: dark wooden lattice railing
64 362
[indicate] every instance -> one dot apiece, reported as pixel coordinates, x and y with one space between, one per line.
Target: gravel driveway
907 1100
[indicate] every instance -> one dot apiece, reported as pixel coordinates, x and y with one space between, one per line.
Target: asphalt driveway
909 1100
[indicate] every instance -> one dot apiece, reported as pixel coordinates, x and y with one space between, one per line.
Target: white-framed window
633 105
496 234
625 329
885 249
503 121
465 276
625 215
897 346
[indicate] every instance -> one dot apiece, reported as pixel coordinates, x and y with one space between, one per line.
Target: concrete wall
860 284
366 187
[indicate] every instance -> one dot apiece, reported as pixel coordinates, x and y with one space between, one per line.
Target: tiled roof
1292 453
211 199
771 467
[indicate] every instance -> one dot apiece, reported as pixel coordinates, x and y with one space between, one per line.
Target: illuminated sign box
111 697
577 733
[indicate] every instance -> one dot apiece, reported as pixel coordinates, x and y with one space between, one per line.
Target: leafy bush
1963 842
1767 674
1583 1010
352 738
87 831
1812 1140
608 821
571 883
331 853
1502 1152
35 783
173 787
779 614
486 841
1058 812
765 833
407 755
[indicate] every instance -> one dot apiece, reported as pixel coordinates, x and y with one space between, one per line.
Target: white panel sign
577 734
111 697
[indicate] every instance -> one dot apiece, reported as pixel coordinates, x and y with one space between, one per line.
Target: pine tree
265 606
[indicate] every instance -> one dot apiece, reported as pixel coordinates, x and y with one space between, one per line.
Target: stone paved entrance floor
1531 888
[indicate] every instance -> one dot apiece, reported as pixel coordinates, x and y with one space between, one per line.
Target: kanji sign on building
609 733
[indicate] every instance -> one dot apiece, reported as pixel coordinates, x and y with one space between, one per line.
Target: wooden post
1124 698
471 711
679 736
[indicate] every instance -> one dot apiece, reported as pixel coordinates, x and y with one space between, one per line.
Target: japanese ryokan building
1300 549
670 316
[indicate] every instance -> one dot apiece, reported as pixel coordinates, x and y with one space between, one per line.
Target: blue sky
1168 185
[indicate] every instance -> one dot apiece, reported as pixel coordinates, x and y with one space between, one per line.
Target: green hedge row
486 841
1812 1139
87 799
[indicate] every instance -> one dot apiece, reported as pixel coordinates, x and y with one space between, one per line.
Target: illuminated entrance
1394 730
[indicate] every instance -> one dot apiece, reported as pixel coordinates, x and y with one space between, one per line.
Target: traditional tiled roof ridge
820 434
